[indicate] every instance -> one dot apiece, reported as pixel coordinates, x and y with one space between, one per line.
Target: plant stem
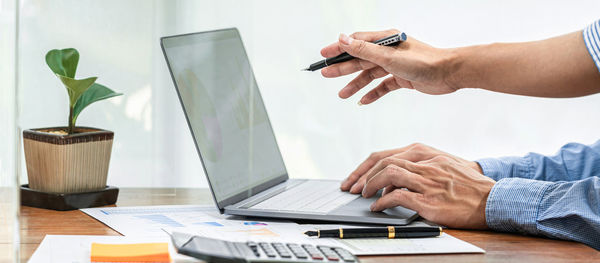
71 124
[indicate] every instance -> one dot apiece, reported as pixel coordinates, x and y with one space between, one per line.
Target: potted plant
69 159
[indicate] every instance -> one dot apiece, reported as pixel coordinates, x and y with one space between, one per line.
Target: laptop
236 144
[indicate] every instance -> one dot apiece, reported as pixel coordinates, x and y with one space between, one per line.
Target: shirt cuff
513 204
504 167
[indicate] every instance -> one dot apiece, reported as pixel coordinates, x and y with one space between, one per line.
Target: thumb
377 54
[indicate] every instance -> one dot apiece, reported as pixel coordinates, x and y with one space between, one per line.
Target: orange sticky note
142 252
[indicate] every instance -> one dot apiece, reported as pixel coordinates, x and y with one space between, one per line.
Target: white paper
149 220
431 245
206 221
76 249
358 246
384 246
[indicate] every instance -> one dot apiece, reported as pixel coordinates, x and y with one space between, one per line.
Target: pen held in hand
392 40
389 232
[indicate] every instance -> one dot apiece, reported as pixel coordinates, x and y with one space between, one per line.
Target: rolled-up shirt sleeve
555 196
591 36
563 210
573 161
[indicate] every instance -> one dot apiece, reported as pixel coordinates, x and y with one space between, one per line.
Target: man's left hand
441 190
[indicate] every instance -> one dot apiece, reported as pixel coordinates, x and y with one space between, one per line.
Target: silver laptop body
236 143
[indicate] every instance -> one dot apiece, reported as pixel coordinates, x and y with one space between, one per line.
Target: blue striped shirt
554 196
591 36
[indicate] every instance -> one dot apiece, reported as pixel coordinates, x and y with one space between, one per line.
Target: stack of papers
208 222
145 224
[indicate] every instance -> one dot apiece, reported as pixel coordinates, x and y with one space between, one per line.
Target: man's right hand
412 65
414 153
528 68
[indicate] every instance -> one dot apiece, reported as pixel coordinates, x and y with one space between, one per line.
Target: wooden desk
36 223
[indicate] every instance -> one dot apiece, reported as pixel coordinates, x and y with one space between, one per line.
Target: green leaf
95 93
63 62
76 87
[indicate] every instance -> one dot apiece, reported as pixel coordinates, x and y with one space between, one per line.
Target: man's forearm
555 67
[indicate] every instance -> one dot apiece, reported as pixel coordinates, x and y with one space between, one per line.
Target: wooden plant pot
60 163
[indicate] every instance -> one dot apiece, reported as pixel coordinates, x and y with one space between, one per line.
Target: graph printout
151 220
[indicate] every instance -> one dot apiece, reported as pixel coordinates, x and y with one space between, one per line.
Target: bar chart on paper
163 220
261 232
151 220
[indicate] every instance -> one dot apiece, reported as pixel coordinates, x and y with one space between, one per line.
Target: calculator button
329 253
309 248
269 251
324 248
281 250
332 257
297 251
313 252
345 255
294 247
301 255
254 247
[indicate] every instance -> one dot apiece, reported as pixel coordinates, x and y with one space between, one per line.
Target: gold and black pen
389 232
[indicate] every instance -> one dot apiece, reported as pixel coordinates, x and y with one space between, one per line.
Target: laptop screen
225 113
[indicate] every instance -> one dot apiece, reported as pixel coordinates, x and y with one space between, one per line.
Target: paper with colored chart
150 220
206 221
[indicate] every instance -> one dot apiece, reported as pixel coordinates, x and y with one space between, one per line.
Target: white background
320 135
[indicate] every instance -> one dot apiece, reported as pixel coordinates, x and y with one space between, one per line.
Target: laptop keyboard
309 197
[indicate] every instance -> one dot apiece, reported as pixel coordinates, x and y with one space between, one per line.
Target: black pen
389 232
392 40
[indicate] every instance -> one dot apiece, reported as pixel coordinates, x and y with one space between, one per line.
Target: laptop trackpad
361 207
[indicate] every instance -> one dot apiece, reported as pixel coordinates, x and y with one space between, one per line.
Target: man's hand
415 153
527 68
412 64
442 190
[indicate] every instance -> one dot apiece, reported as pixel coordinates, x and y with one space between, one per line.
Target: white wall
9 229
320 135
7 92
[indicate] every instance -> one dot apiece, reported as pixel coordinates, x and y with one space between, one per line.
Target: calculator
216 250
